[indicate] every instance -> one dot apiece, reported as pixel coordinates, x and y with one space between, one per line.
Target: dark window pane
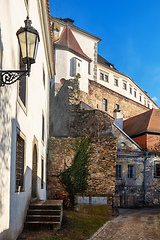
42 127
19 163
22 85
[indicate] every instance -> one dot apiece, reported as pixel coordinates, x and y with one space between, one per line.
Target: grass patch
79 226
102 210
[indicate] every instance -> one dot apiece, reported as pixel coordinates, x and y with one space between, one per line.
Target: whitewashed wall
119 89
88 44
64 68
13 205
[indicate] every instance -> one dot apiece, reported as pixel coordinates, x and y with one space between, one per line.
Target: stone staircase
42 214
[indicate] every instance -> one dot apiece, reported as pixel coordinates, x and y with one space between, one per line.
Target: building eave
57 20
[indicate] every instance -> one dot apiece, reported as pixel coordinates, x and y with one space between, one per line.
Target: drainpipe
145 161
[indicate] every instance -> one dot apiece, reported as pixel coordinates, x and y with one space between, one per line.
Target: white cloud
154 98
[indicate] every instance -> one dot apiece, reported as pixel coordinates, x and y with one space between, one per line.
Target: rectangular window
157 170
42 173
42 128
118 171
116 82
106 78
101 76
117 107
124 86
22 84
130 171
20 163
148 105
130 90
140 98
144 102
135 94
105 104
89 68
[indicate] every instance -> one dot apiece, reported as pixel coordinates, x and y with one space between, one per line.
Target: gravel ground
131 224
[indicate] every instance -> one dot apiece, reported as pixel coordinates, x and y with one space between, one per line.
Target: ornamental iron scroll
9 77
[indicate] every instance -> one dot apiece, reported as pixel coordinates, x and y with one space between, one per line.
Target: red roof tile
146 122
68 40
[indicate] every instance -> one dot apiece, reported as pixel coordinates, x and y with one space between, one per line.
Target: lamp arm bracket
8 77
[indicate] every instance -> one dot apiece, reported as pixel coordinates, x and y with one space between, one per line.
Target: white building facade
75 52
111 78
24 115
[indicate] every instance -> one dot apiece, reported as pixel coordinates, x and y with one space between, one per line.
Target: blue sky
130 32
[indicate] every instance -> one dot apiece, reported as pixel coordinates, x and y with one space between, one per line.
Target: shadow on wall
1 49
5 149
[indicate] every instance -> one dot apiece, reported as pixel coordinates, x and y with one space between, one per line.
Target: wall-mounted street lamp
28 39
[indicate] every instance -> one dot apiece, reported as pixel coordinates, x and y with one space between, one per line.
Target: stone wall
95 100
101 181
63 99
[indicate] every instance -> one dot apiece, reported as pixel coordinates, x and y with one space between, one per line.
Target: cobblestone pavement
131 224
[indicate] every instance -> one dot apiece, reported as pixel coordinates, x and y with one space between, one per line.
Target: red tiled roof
68 40
146 122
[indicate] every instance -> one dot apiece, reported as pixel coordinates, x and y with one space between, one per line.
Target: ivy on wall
74 178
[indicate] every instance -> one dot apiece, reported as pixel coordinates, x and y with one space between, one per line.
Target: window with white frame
140 98
144 102
116 82
135 93
20 155
105 104
106 78
148 105
124 85
101 76
130 89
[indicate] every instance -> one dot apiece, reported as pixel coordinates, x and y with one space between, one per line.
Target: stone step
45 218
41 225
43 212
44 207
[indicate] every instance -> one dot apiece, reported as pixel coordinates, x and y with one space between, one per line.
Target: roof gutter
128 137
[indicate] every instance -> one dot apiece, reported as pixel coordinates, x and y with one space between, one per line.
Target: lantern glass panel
36 47
31 37
22 41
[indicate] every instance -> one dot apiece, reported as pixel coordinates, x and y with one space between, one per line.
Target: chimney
118 118
68 20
